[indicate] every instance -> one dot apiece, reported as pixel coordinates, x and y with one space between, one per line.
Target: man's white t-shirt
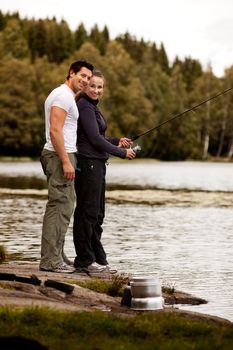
63 97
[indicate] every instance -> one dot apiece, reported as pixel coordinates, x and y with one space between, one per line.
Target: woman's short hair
98 73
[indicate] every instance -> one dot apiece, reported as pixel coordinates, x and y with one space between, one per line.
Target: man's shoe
63 268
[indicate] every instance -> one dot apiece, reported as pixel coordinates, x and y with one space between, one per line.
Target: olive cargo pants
59 208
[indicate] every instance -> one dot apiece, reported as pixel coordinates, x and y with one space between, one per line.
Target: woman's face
95 88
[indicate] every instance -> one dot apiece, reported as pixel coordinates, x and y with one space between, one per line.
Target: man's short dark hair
77 65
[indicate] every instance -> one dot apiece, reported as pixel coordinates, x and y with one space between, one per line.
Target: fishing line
180 114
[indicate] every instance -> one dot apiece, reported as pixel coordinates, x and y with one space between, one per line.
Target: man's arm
57 120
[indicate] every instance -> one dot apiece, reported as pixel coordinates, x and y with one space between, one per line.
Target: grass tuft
113 287
168 288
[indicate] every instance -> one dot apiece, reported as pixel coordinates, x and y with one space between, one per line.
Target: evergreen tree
66 40
99 39
2 21
35 32
191 70
106 34
13 42
134 47
163 59
154 53
59 41
80 36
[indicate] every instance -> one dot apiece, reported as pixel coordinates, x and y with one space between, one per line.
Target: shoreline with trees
143 90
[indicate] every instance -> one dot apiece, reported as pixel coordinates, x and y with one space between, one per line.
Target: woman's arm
87 118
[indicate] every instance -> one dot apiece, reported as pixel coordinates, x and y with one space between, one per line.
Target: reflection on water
22 182
22 175
190 247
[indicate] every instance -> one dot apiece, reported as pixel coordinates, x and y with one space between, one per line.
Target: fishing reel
137 149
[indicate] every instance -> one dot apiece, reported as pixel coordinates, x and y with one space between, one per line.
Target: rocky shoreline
17 293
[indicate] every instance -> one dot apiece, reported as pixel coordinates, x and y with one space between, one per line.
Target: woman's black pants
89 212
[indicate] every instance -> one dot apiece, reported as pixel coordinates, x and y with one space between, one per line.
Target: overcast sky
200 29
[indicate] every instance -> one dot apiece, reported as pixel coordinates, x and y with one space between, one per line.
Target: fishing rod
180 114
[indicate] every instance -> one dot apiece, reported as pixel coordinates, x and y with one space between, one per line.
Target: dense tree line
142 89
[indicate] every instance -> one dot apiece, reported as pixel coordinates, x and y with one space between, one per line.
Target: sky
200 29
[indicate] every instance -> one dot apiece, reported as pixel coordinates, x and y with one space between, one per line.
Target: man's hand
68 170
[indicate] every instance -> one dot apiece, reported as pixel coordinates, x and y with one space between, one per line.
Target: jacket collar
94 102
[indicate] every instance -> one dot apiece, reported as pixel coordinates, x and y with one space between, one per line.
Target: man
58 160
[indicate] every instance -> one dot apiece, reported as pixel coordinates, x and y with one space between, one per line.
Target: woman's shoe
109 269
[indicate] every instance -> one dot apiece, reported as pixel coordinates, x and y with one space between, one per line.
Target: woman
93 152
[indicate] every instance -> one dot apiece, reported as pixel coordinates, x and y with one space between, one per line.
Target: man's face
80 80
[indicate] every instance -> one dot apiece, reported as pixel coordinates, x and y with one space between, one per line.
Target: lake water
188 246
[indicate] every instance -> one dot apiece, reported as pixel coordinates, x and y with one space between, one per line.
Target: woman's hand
125 142
130 154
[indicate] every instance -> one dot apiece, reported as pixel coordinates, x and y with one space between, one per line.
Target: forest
143 89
